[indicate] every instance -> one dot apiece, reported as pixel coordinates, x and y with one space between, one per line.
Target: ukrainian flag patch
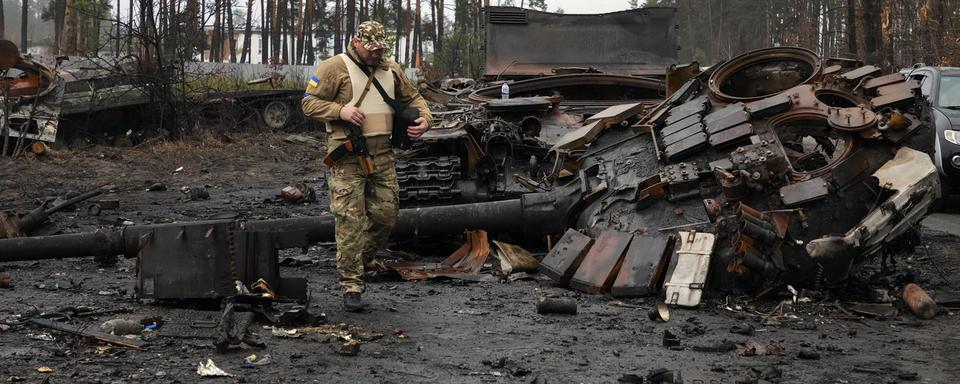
314 81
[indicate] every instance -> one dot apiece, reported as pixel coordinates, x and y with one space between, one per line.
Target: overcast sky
586 6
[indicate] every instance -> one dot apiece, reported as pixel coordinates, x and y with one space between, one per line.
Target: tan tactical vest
378 116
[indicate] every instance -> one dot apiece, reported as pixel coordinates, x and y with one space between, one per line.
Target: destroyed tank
560 69
776 167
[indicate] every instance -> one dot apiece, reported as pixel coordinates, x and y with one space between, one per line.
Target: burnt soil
433 331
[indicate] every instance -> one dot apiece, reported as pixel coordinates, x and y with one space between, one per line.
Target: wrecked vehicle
29 92
776 167
559 70
105 101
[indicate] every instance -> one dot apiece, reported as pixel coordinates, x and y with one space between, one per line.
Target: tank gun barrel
533 214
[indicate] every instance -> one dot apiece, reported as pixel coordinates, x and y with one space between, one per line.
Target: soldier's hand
351 114
415 131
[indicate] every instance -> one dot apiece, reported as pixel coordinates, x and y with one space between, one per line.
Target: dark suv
941 86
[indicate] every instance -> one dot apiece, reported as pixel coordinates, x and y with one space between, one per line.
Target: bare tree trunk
129 30
274 33
283 13
23 26
886 46
301 15
418 37
338 28
245 55
398 4
69 38
264 35
871 31
439 23
2 27
351 20
407 27
231 36
309 31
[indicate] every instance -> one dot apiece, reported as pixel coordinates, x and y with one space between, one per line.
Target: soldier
364 194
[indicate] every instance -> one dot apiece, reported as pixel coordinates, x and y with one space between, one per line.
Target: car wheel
276 114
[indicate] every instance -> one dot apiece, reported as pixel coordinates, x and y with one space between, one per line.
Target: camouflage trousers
365 209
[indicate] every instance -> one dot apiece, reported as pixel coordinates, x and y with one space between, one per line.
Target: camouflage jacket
330 89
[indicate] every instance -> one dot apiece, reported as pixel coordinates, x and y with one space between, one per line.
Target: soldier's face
369 57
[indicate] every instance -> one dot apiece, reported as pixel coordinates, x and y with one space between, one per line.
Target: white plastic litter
210 370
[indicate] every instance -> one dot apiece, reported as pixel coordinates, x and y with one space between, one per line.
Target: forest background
445 37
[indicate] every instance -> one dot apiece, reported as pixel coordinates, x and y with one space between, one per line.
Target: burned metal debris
775 167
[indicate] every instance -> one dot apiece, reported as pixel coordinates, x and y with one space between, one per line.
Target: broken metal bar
41 214
87 331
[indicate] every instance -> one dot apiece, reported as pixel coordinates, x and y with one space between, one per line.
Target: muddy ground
435 331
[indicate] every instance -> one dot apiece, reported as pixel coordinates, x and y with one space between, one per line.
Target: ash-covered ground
435 331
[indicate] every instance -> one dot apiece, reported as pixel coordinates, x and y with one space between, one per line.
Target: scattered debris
723 346
298 193
670 339
565 306
88 332
5 279
303 139
121 327
807 354
753 348
884 310
664 376
659 312
514 259
919 301
195 193
12 225
743 329
253 361
464 263
156 187
209 369
350 348
45 370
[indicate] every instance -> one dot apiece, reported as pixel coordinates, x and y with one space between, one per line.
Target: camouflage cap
372 35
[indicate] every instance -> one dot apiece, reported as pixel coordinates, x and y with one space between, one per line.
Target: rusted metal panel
686 146
832 69
600 266
886 100
617 113
883 80
644 266
466 260
579 137
685 280
770 106
565 257
525 42
733 135
679 86
860 72
908 86
804 192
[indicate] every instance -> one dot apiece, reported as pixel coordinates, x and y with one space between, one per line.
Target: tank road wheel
277 114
